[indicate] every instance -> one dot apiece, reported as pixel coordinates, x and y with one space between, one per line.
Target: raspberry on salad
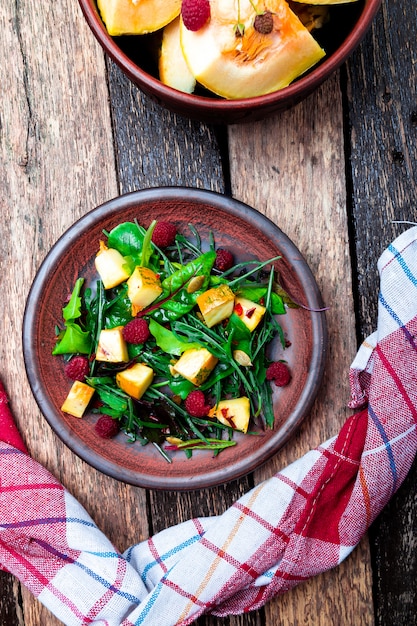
106 427
136 331
224 260
77 368
164 234
195 404
279 373
195 13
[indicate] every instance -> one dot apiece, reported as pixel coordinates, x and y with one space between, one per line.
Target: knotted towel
302 521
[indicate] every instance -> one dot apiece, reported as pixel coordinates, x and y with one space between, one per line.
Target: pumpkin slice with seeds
249 48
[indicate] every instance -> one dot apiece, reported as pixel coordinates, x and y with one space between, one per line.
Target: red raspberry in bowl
195 13
77 368
279 373
136 331
224 260
106 427
195 404
164 234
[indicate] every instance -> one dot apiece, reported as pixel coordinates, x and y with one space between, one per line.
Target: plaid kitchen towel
302 521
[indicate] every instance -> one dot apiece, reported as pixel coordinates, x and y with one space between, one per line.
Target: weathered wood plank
57 163
155 147
10 601
382 87
298 181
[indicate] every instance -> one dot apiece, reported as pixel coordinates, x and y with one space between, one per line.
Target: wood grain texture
382 106
75 132
310 207
155 147
57 163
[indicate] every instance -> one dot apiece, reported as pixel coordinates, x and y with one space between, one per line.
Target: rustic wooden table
333 173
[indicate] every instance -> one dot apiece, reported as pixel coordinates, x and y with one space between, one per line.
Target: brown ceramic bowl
345 30
235 226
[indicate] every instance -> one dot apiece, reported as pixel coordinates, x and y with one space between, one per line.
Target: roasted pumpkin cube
196 365
143 287
249 312
78 399
112 347
135 380
111 266
216 304
234 413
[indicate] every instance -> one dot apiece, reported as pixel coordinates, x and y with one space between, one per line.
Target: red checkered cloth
302 521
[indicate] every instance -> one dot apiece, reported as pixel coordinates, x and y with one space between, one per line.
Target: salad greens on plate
172 344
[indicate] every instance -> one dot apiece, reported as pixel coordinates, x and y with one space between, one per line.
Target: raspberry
77 368
106 427
164 234
195 13
136 331
224 260
195 404
279 373
264 23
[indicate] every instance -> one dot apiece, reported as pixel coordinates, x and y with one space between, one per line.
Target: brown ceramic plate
137 58
235 226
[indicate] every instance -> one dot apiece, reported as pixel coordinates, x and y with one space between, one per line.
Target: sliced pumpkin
234 60
137 17
173 70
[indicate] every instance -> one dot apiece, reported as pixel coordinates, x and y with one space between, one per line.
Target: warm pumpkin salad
174 342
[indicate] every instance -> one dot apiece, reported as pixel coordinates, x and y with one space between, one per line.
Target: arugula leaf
73 309
73 339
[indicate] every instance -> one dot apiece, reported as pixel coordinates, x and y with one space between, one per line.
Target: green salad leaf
73 339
